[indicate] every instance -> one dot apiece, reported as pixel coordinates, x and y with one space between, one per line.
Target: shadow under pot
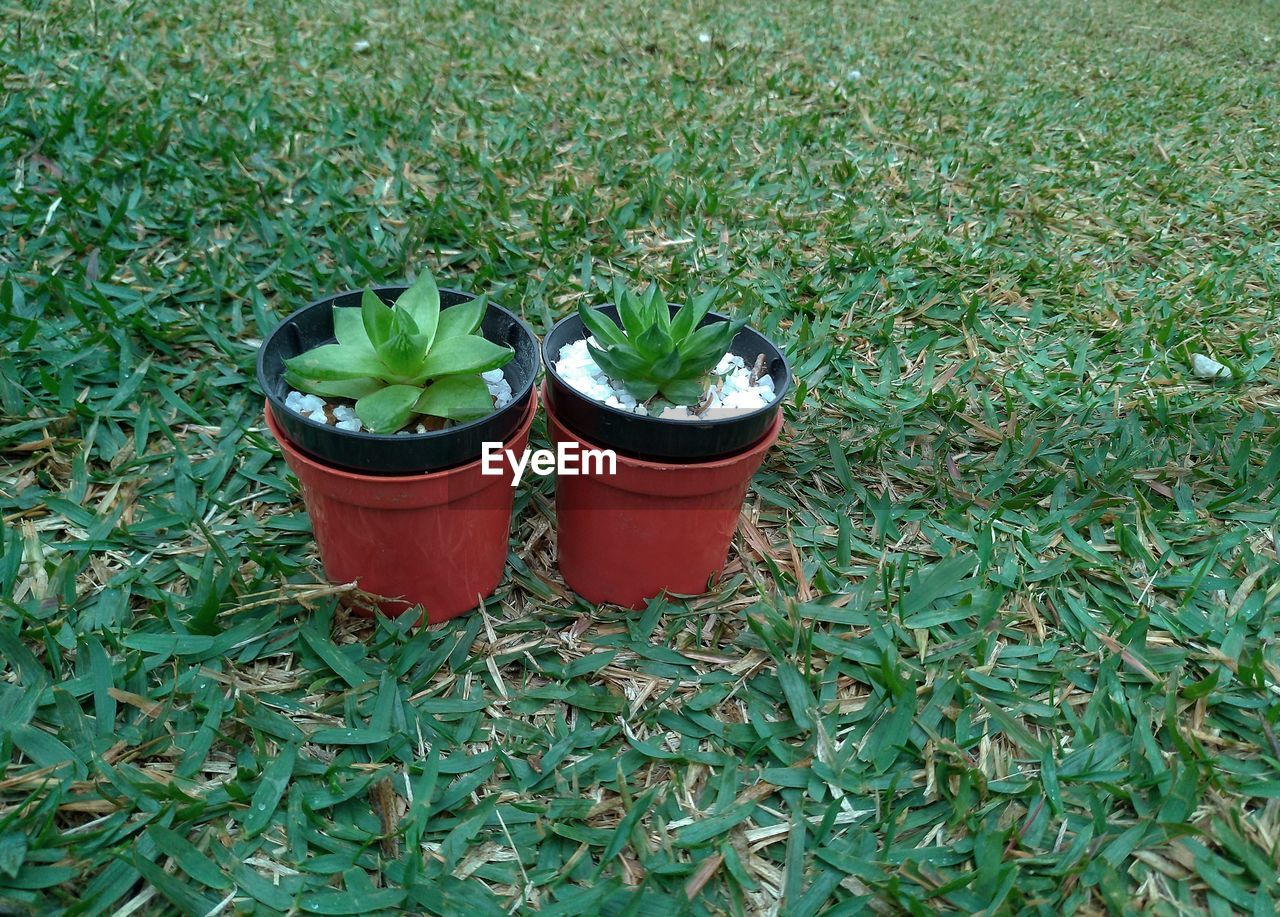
662 518
414 520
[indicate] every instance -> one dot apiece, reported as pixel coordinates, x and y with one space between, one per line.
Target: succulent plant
656 352
398 361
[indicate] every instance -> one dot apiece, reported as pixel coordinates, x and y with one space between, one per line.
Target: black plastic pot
641 436
376 453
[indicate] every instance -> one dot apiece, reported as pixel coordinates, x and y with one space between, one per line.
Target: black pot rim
364 436
548 363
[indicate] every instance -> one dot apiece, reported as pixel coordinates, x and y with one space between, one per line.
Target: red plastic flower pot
438 540
651 527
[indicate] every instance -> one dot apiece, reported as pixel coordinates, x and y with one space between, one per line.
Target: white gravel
731 390
346 418
1208 368
312 406
306 405
499 388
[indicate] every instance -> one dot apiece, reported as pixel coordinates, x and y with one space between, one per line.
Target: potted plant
689 400
381 400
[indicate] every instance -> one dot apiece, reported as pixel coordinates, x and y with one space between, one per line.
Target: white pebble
1207 368
498 387
312 407
306 405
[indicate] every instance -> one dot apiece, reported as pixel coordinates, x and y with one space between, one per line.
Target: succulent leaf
602 328
467 354
348 326
657 310
377 318
625 362
329 362
631 311
388 409
340 388
668 367
464 318
705 346
604 359
691 315
685 391
402 354
405 347
641 389
654 342
456 398
421 302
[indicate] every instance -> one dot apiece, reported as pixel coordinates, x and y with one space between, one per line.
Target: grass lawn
999 629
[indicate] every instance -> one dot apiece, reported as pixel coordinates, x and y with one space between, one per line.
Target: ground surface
998 632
